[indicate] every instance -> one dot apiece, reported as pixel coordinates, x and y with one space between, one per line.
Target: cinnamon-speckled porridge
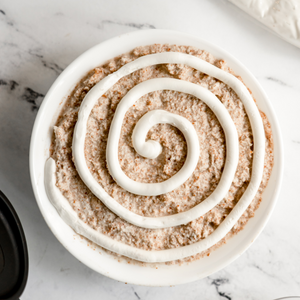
197 188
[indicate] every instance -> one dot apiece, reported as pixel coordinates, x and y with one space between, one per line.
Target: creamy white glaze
79 226
192 158
150 148
171 57
154 117
67 213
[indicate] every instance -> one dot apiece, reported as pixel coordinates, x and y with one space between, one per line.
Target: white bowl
107 264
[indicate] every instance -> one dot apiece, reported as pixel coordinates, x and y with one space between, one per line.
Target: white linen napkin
281 16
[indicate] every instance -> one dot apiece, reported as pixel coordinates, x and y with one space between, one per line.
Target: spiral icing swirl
152 149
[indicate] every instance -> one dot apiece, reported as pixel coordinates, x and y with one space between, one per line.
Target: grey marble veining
39 39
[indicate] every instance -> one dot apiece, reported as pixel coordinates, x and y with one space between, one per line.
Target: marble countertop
39 40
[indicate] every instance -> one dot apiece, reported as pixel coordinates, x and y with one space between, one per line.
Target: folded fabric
281 16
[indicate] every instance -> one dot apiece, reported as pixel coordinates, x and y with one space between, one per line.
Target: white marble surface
38 39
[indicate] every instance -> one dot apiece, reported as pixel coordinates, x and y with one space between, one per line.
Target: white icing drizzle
151 118
152 149
70 216
67 213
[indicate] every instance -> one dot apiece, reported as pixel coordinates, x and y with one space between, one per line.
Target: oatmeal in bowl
159 156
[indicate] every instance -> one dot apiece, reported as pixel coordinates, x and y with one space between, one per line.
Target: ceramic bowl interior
107 264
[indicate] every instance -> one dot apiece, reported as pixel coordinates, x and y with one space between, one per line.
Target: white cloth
281 16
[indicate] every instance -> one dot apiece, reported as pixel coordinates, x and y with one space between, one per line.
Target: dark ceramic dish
13 252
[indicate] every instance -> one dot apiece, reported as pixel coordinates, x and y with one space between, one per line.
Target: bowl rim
61 80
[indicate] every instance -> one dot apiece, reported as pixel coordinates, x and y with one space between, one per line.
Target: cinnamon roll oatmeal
201 182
